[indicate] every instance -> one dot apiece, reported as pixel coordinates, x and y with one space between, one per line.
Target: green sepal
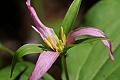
81 41
70 16
24 50
89 39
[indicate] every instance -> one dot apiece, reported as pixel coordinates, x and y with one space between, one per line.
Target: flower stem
6 49
65 67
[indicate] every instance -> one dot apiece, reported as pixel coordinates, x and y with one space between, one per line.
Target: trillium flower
47 58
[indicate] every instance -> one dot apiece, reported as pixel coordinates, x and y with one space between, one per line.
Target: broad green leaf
21 72
111 69
24 50
92 62
75 60
71 16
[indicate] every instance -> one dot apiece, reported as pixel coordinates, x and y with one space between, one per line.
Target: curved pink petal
44 62
92 32
39 27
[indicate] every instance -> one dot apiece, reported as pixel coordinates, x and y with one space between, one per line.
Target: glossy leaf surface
92 61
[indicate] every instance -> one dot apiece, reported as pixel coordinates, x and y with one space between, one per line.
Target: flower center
54 43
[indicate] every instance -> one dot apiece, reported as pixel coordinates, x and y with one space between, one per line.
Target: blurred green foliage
91 61
22 72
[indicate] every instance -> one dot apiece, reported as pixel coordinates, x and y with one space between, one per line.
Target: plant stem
65 67
6 49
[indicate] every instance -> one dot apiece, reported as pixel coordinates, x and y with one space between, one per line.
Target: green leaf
92 61
24 50
75 60
20 67
21 72
47 77
71 16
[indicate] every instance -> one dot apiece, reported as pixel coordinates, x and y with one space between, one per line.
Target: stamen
61 44
56 38
51 40
53 43
64 39
48 43
61 31
56 48
63 35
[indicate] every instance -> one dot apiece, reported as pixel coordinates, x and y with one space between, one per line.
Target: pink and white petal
92 32
41 28
44 62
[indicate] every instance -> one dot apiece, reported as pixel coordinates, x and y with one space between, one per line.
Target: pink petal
92 32
44 62
39 27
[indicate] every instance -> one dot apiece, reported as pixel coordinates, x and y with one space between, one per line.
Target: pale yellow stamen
56 38
64 39
57 49
63 35
48 43
61 32
61 44
51 40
